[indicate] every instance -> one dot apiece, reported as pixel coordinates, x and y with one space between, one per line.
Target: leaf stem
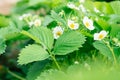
58 66
54 59
15 75
113 54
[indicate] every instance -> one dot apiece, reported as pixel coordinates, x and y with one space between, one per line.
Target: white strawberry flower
61 13
76 62
88 23
81 1
101 35
57 32
82 8
31 23
72 25
25 16
102 15
37 22
96 10
71 5
21 18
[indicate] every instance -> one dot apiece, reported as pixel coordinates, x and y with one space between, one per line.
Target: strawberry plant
61 40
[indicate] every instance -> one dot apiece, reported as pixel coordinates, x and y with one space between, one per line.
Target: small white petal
102 15
24 15
96 36
82 8
37 22
30 24
96 10
71 5
76 62
103 32
21 18
88 23
91 27
81 1
77 8
85 19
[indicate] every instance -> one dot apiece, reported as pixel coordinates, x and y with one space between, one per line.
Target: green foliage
32 53
103 24
68 42
43 54
2 45
9 32
81 72
114 19
115 28
34 2
57 18
47 20
35 70
41 35
104 7
52 75
116 7
5 23
103 48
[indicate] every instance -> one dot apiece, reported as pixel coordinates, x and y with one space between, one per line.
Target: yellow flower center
37 23
87 24
101 36
58 33
72 26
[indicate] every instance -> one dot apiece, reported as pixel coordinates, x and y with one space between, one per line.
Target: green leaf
47 20
103 24
104 7
2 45
4 22
118 35
41 35
116 7
114 19
56 17
31 36
52 75
32 53
34 2
9 32
68 42
103 48
35 70
115 28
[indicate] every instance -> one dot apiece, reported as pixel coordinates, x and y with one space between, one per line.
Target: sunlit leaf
32 53
68 42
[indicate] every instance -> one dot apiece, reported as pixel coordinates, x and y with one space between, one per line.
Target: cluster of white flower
73 25
80 7
89 24
58 30
31 20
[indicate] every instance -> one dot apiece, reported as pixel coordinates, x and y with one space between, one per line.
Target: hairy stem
113 54
58 66
54 59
